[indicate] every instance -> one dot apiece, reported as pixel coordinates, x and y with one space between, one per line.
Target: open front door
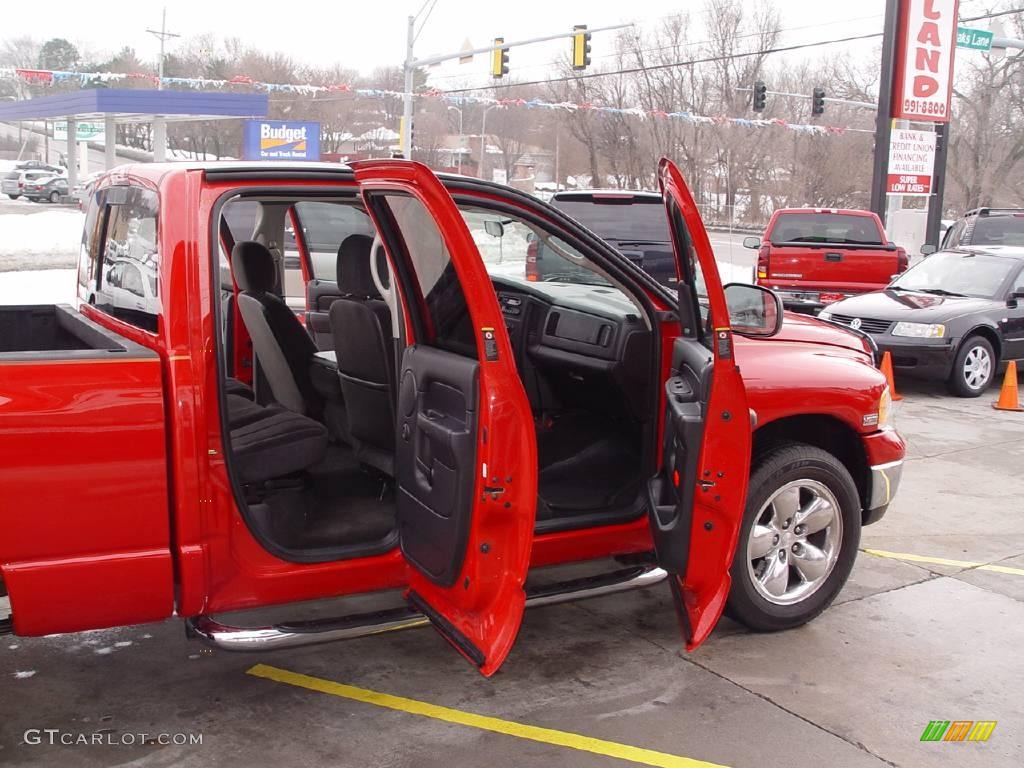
466 454
697 501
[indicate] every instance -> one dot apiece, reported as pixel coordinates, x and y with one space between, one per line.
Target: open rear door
466 454
697 500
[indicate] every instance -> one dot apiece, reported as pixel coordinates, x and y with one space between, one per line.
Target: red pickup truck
179 445
813 257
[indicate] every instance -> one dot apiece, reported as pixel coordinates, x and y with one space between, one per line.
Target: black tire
958 383
776 468
55 197
14 197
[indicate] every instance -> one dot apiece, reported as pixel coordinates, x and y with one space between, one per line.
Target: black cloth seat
235 387
242 410
276 443
282 346
361 327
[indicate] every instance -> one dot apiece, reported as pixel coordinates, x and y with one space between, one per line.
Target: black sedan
954 316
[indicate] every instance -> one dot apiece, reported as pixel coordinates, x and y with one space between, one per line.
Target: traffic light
580 47
760 96
499 59
818 101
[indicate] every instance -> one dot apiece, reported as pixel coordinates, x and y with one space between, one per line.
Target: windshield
825 228
512 248
967 274
622 219
998 230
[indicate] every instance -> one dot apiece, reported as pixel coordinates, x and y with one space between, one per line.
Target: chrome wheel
794 542
977 370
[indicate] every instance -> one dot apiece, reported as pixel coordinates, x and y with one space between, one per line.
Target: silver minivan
13 183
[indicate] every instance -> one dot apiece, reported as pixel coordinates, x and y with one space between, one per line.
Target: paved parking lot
605 682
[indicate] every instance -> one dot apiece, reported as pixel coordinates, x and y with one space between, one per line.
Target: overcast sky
364 35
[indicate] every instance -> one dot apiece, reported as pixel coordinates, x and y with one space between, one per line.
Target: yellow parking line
946 561
481 722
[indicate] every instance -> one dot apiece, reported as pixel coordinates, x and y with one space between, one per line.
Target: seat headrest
354 276
253 266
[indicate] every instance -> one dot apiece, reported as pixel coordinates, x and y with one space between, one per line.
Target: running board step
300 633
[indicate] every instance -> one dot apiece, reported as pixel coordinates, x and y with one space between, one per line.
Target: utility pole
883 120
461 136
411 64
483 140
163 35
409 67
931 232
557 169
159 122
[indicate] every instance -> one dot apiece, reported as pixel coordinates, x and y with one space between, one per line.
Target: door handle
833 257
430 423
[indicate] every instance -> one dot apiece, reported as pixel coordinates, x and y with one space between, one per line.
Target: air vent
552 324
604 336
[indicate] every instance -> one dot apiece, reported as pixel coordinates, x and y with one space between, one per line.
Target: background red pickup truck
812 257
466 427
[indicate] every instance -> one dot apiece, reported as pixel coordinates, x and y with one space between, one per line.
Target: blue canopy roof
137 105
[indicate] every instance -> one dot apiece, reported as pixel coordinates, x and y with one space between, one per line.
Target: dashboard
590 342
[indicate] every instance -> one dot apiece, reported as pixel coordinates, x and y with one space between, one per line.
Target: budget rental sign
911 162
923 77
280 140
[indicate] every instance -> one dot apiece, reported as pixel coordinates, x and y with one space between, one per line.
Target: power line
711 59
655 49
994 14
691 62
425 19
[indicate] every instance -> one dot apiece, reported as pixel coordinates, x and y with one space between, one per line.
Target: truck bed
84 473
57 331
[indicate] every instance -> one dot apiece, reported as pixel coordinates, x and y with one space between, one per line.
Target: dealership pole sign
923 78
83 131
281 140
911 162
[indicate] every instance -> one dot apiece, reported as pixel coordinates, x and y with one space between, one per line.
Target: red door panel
466 460
697 502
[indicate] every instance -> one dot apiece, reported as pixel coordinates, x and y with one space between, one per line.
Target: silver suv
13 183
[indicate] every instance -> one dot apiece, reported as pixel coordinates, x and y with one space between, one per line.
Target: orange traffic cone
1008 399
887 372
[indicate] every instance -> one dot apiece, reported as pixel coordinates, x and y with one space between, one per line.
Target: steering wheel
386 290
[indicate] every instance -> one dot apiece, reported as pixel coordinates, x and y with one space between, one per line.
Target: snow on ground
41 286
734 273
34 236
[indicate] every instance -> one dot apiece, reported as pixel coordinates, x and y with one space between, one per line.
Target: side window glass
955 234
693 294
89 253
130 259
132 281
1019 284
324 226
444 321
512 248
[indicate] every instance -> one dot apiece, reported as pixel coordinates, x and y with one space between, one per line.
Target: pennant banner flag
49 77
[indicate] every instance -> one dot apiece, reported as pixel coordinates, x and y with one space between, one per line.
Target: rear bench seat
270 441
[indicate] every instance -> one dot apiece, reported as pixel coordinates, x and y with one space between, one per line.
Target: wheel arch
989 334
822 431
